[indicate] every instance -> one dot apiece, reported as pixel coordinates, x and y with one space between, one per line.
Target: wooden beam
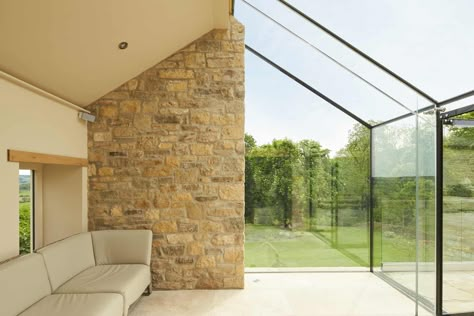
24 156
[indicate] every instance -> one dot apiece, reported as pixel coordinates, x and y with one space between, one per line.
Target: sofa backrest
68 257
122 246
23 282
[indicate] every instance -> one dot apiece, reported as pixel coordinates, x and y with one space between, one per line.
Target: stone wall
166 153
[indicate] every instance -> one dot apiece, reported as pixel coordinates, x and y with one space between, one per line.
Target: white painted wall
63 204
31 122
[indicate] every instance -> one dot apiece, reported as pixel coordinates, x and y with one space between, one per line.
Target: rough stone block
195 60
102 137
130 106
177 85
108 111
231 192
201 149
176 74
106 171
200 117
177 250
206 262
165 227
179 238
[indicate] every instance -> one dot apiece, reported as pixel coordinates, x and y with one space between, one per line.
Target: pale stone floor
275 294
458 288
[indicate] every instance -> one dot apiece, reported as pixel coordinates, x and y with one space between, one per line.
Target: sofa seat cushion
99 304
130 280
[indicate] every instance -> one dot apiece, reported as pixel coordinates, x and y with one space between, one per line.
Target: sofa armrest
122 246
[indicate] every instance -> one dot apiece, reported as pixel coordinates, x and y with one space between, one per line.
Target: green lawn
270 246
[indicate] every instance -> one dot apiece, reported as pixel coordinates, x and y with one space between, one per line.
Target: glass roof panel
459 104
277 107
325 64
427 42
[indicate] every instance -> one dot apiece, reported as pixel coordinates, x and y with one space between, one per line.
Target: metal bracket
458 123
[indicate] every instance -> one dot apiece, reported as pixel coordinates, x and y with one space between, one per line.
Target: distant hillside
24 178
25 181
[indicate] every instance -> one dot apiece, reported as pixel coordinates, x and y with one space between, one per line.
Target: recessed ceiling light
123 45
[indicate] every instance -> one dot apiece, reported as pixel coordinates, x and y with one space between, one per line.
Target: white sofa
89 274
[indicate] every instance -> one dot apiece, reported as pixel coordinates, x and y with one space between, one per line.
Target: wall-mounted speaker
87 117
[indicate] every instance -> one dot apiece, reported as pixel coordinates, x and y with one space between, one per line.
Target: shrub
25 228
459 190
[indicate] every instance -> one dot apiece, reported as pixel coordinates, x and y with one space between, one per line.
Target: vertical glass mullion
417 214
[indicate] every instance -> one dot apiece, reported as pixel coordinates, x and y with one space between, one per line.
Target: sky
427 42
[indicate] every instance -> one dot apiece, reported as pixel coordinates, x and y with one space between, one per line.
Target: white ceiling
70 48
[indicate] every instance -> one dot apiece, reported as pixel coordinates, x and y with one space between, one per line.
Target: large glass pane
306 186
297 50
394 184
404 208
426 209
404 35
458 218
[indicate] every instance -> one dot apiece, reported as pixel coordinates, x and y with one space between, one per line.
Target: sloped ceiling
70 47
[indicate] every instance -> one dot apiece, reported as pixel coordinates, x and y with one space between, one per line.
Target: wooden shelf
24 156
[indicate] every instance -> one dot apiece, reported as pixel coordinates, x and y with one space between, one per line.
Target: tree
312 155
250 143
353 165
250 185
350 191
285 157
285 177
270 172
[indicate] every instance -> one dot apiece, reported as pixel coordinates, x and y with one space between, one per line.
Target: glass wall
404 205
306 185
426 210
307 188
458 218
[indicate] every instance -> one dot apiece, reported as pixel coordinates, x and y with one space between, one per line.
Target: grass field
271 246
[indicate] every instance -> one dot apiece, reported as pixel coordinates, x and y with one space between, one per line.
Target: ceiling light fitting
123 45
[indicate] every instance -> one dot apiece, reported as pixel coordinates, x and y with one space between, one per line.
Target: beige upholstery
23 282
122 246
64 280
68 257
130 280
100 304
